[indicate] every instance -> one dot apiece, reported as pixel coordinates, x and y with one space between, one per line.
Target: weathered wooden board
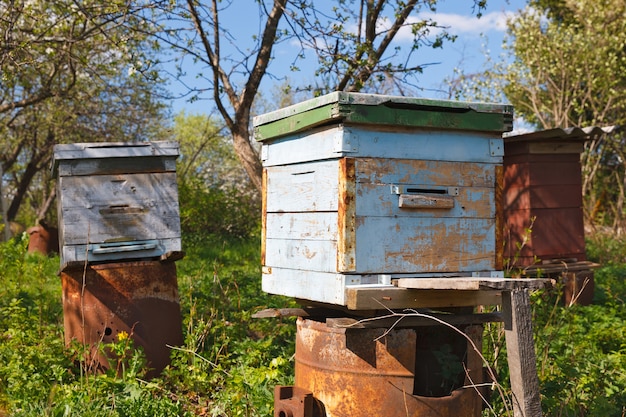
423 245
379 184
305 284
360 298
309 187
302 226
474 283
393 246
521 353
407 320
114 158
551 173
555 233
384 111
330 142
543 197
125 207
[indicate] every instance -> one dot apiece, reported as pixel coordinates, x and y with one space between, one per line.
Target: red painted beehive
543 196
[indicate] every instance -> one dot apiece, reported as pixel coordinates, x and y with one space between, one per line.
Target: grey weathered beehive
116 201
362 189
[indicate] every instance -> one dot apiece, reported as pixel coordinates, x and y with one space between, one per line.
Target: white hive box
116 201
360 190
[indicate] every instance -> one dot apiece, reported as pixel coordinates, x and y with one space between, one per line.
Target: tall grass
227 367
230 362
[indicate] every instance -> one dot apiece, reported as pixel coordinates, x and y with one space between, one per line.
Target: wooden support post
521 353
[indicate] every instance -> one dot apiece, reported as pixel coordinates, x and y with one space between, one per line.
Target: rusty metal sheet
139 298
43 239
374 372
290 401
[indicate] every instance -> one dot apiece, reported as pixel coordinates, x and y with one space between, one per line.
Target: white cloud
459 24
456 24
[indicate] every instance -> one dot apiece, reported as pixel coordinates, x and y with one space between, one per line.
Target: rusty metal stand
138 298
371 361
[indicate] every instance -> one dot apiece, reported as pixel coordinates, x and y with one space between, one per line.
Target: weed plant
228 365
230 362
581 350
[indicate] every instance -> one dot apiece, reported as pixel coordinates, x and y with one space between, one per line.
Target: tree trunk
248 157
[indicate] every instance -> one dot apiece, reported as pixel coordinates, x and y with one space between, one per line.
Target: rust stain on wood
346 216
500 223
467 174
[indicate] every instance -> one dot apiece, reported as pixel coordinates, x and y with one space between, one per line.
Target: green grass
228 365
230 362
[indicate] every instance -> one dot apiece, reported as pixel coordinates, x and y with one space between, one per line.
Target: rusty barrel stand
377 371
350 367
139 297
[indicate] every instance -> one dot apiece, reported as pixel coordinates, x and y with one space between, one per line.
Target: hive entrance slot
425 191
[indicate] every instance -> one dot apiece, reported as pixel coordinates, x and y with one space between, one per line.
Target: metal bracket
345 141
496 147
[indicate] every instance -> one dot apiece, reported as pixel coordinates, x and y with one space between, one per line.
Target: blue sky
476 38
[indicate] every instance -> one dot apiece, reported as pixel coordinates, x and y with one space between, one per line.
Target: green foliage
216 211
228 365
581 357
215 194
231 359
581 350
69 72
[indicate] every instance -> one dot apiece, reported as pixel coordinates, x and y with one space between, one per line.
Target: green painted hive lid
359 108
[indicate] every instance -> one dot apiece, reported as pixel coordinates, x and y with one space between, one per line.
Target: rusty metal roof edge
343 98
569 133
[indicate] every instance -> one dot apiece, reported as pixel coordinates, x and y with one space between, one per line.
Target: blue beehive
361 190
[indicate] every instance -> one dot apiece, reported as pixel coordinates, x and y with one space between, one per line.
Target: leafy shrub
231 359
226 211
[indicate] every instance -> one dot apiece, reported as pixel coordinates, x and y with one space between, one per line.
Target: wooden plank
321 143
384 110
263 215
474 283
303 187
543 196
382 182
346 217
422 244
555 232
407 320
521 353
425 201
443 173
302 226
301 255
500 221
114 157
332 142
310 285
378 298
557 267
104 208
556 148
280 312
